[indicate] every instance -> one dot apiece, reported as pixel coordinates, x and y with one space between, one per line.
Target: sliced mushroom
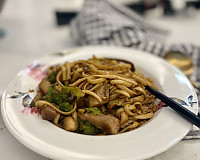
69 124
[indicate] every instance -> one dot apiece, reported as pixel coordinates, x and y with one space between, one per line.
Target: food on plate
98 96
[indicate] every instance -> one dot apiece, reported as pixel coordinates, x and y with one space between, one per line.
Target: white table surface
31 32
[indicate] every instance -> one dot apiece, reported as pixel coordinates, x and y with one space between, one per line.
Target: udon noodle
97 96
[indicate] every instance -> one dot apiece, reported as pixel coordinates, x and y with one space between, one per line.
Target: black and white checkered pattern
102 23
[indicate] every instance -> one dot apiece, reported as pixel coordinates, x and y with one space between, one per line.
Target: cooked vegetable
76 91
64 100
66 107
93 110
52 77
87 128
69 124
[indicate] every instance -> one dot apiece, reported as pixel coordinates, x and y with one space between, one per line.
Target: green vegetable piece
66 107
50 91
53 96
57 99
77 92
48 96
52 77
65 90
93 110
87 128
68 96
64 100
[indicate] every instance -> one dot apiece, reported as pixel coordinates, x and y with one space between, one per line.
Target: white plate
162 132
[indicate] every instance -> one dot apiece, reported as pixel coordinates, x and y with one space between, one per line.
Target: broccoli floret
93 110
71 94
77 92
87 128
65 90
50 91
66 99
52 77
53 96
57 99
48 96
66 107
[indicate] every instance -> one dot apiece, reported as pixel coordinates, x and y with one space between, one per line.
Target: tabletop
30 31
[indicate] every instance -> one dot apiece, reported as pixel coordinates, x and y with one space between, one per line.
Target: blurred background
39 27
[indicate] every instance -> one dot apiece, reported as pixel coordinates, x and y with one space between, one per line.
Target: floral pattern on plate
36 71
26 101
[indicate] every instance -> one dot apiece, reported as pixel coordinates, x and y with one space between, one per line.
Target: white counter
31 32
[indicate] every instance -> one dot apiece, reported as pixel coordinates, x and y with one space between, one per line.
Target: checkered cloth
103 23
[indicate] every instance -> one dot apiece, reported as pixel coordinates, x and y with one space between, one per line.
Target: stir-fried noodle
96 96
